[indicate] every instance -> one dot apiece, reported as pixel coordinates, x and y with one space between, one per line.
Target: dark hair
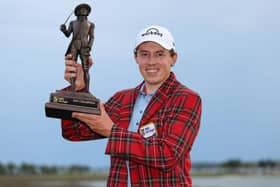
171 52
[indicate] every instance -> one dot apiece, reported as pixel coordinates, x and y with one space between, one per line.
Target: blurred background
228 52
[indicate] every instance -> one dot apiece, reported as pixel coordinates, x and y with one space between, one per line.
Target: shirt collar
143 90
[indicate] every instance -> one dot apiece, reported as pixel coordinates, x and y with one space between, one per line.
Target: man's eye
144 54
160 54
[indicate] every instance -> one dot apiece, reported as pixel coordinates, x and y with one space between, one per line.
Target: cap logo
152 31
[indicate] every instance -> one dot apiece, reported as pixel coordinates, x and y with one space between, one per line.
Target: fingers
81 116
68 57
90 62
89 119
102 108
70 68
75 70
70 72
69 61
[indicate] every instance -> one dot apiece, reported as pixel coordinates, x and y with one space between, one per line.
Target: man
150 128
82 38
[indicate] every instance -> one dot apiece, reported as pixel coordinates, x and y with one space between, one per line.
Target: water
237 181
223 181
62 183
218 181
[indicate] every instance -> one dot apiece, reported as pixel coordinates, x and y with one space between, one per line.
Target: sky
228 51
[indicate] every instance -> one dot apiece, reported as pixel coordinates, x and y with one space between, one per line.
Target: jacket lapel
128 103
155 104
158 100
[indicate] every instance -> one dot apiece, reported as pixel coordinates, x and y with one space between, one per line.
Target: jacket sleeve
178 128
79 131
75 130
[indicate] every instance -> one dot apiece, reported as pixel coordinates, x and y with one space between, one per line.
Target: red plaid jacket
157 161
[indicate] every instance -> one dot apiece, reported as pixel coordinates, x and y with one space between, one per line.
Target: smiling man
150 128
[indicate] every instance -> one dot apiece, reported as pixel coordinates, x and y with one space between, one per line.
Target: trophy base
63 103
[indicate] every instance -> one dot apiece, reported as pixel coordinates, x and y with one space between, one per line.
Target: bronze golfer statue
82 32
63 103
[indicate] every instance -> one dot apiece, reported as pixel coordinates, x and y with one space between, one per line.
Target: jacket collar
158 99
165 88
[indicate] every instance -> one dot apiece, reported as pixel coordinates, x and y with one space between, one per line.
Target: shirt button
137 123
141 111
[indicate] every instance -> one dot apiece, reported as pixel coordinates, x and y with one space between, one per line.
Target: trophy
63 103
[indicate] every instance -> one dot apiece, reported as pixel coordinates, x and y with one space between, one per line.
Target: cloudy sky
228 52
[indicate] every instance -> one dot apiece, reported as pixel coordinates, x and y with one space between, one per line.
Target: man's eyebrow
143 50
160 51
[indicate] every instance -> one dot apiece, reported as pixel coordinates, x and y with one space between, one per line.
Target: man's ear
174 57
134 54
135 57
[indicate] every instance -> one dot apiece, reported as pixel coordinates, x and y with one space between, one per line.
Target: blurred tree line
31 169
237 166
234 165
229 166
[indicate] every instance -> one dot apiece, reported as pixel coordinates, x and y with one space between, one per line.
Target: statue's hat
79 7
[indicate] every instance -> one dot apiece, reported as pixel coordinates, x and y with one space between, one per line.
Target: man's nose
152 60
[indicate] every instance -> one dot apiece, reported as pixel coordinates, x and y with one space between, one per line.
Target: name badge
148 130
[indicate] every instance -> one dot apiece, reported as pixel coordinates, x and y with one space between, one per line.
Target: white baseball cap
157 34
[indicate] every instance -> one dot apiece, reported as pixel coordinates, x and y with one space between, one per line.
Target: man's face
154 63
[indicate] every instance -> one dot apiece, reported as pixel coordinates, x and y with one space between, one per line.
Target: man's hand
100 124
75 70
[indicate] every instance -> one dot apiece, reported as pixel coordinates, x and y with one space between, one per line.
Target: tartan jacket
157 161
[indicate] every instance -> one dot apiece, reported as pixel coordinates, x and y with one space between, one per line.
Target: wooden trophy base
63 103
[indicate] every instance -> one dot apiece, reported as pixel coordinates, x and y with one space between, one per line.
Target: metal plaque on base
63 103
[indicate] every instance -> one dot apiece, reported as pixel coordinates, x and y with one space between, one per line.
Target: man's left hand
101 124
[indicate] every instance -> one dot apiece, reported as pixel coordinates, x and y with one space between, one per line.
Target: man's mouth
152 70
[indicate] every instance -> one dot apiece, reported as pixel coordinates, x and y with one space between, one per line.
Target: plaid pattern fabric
157 161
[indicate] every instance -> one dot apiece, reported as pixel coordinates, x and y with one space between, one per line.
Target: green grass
72 180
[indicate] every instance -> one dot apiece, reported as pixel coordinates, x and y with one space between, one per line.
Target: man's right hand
75 70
